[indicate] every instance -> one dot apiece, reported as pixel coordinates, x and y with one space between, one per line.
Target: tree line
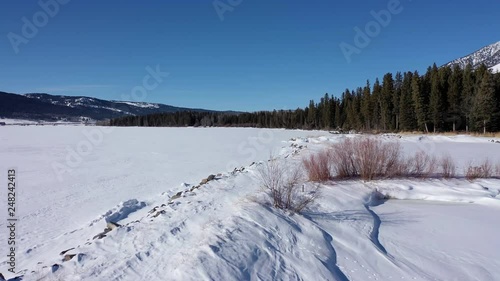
442 99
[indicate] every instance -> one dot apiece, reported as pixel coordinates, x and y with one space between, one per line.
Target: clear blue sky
265 54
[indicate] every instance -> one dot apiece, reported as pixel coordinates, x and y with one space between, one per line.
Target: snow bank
224 230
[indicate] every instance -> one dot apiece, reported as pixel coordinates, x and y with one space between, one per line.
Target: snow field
224 230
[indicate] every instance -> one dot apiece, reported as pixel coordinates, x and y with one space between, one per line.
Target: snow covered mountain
489 55
105 107
53 107
86 101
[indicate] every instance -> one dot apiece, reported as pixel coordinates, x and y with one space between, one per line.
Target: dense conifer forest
442 99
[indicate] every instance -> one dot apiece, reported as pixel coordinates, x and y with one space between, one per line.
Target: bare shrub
473 172
377 159
448 167
367 158
391 162
487 168
284 187
403 169
416 164
317 166
421 165
432 167
343 159
484 170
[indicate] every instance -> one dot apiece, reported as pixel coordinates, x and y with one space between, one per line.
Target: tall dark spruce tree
484 103
385 101
367 107
376 96
396 98
420 100
407 111
468 94
455 96
436 100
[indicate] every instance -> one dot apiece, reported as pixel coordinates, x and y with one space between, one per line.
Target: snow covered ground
72 180
496 68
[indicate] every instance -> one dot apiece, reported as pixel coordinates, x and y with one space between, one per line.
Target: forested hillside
442 99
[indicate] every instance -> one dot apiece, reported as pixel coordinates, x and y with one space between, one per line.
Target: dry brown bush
448 167
392 161
343 159
484 170
487 168
473 172
421 165
367 158
283 185
317 166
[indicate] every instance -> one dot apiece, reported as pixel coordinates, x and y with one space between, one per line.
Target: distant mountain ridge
489 56
37 106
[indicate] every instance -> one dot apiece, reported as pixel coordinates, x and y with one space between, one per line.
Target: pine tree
436 100
331 112
376 104
366 106
407 108
468 94
455 96
326 112
420 102
496 116
484 103
351 114
445 73
311 115
356 106
338 114
396 98
386 98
